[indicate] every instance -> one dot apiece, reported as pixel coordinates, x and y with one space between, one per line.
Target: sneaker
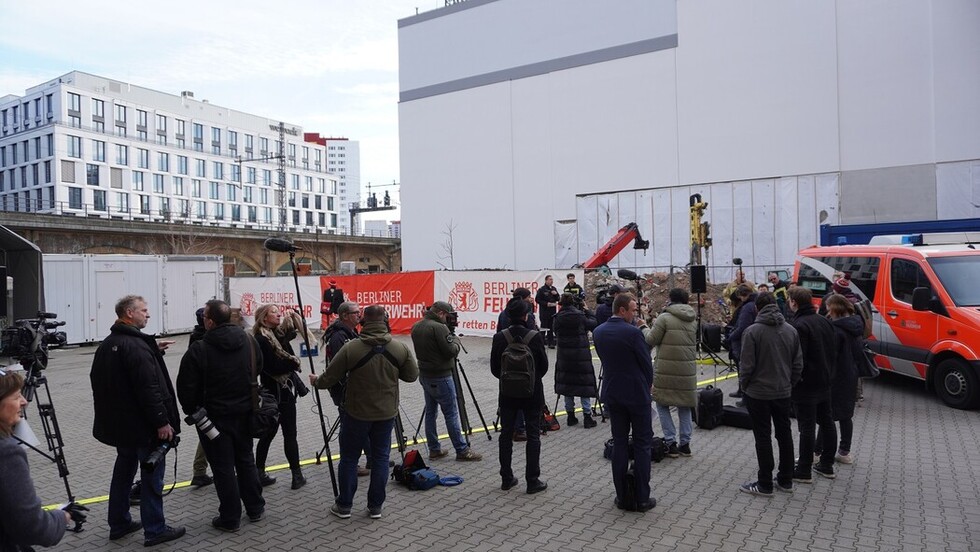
168 534
785 487
802 478
342 513
571 420
437 454
374 513
826 471
684 450
468 456
755 489
202 480
134 526
588 422
672 451
520 436
844 457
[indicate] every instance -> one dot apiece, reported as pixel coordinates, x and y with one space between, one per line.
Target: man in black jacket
135 411
216 376
547 299
201 477
530 407
811 396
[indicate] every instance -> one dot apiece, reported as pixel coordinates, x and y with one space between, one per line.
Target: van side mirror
921 297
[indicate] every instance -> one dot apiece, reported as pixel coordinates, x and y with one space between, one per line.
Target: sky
330 66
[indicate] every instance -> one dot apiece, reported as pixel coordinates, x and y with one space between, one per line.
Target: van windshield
959 276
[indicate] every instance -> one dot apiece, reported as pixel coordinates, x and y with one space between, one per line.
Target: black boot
265 479
571 420
588 421
298 479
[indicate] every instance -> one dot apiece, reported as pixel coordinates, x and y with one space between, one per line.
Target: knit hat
443 306
842 286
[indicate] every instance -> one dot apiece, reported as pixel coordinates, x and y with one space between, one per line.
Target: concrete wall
877 92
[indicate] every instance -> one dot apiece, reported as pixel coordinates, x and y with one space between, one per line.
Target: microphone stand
319 404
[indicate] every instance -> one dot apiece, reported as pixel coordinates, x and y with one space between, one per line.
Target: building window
122 202
214 189
98 151
318 202
252 212
219 211
144 205
92 174
47 172
74 198
163 162
98 108
232 140
201 167
219 170
264 146
231 193
121 114
138 181
247 194
143 158
202 209
178 186
180 128
195 188
158 183
122 155
165 207
306 201
74 121
121 130
236 212
161 123
181 164
74 103
141 135
236 175
263 196
74 146
266 177
251 172
98 200
294 181
141 118
333 220
98 126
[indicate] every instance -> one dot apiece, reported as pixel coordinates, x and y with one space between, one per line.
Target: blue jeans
441 392
570 405
352 434
667 424
128 460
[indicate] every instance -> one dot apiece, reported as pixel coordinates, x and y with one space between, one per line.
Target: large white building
539 128
85 145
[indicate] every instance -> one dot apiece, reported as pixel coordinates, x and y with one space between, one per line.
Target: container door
107 292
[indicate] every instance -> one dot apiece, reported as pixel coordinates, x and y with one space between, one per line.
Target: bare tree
189 239
448 246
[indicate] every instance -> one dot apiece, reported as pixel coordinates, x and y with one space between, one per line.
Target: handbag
264 420
867 368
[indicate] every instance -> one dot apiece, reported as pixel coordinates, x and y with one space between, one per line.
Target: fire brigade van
925 296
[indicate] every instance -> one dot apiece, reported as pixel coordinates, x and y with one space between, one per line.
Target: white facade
89 146
502 138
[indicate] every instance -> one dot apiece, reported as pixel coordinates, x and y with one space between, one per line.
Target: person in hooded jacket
373 365
811 396
675 381
771 365
216 375
574 373
849 334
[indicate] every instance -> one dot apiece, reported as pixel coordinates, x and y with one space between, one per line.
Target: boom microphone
281 245
626 274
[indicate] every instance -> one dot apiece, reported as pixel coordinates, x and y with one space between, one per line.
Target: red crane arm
616 244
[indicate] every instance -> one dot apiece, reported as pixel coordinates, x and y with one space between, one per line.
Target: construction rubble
654 289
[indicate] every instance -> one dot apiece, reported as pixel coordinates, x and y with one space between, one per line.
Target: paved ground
915 486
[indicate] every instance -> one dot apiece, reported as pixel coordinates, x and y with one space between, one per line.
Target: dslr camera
204 424
160 452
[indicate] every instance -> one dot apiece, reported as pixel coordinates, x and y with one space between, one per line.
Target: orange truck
925 296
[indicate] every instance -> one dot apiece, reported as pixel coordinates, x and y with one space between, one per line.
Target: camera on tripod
159 453
23 339
204 424
452 320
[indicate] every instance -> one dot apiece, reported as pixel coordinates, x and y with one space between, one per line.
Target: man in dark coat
746 317
334 297
200 466
604 309
574 373
135 411
216 375
811 396
523 294
547 299
626 395
511 406
772 362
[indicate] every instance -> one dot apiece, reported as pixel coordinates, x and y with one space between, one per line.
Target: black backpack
517 375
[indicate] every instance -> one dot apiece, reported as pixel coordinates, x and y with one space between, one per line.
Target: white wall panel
644 222
720 216
566 244
662 232
756 89
956 35
958 190
786 218
763 223
827 190
627 214
588 228
806 201
885 71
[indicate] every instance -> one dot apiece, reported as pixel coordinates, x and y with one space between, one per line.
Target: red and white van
925 292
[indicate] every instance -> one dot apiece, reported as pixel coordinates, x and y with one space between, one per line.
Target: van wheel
957 384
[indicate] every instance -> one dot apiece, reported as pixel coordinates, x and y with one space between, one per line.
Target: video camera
27 340
452 320
602 295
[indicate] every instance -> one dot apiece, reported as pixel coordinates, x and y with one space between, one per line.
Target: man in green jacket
373 364
675 381
436 348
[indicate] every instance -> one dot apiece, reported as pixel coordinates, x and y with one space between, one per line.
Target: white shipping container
83 290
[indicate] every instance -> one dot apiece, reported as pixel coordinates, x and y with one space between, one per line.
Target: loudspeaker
699 279
711 337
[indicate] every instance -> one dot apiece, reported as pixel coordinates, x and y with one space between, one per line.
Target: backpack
517 376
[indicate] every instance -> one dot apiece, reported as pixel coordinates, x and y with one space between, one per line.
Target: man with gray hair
135 411
340 331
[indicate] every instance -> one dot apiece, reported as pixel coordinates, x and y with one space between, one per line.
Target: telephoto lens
160 453
204 424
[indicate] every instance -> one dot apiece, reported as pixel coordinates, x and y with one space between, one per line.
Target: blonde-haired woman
24 523
274 329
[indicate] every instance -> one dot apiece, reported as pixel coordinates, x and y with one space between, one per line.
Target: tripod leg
418 428
464 417
475 403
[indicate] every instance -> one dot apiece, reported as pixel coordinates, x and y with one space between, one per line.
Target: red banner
404 295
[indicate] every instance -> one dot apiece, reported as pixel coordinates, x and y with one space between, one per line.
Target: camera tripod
464 419
33 380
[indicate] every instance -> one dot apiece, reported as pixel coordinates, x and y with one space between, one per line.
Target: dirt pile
655 287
